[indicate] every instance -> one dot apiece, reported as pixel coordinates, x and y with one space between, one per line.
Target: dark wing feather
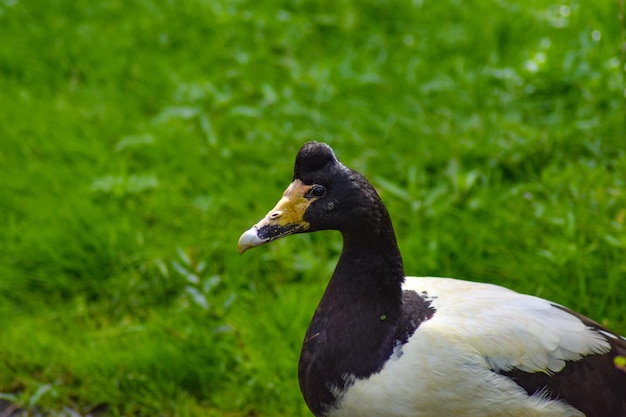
594 384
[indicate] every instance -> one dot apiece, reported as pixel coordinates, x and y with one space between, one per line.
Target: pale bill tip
249 239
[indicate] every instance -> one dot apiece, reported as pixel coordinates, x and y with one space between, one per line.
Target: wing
508 329
543 347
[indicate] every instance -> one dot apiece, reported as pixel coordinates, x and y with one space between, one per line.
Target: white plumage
478 328
510 329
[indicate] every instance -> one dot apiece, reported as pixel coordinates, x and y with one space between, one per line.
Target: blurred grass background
140 138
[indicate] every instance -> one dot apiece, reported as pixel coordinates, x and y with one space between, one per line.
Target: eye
318 191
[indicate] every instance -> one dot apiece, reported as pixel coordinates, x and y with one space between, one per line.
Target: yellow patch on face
290 208
284 219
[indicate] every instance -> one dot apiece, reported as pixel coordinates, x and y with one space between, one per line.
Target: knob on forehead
313 156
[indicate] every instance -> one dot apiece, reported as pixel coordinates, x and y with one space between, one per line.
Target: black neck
370 266
353 330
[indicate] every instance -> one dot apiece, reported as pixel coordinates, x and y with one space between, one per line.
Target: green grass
139 139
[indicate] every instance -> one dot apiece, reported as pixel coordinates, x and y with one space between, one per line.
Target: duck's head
324 194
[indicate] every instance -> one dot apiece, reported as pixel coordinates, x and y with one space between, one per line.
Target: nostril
276 215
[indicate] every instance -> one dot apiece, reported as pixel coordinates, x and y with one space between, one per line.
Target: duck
381 343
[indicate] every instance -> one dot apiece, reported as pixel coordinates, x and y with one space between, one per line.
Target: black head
324 194
349 200
315 160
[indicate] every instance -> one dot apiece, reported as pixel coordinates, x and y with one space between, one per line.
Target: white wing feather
508 329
